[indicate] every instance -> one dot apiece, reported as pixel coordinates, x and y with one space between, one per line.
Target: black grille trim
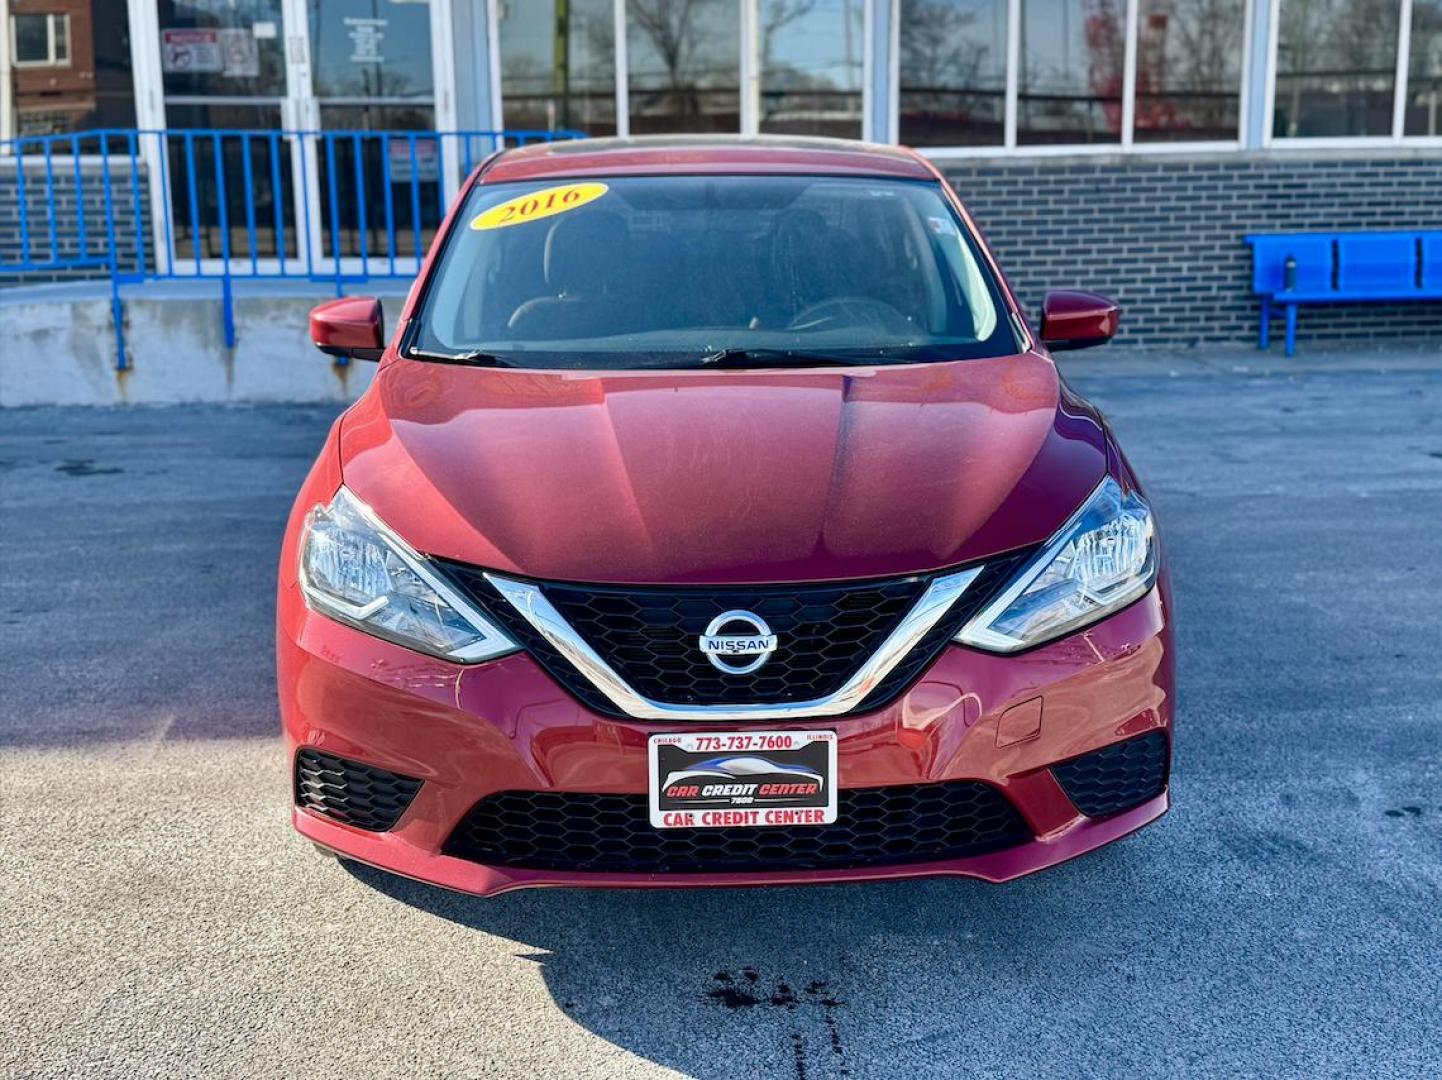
1116 777
648 636
887 826
359 795
606 617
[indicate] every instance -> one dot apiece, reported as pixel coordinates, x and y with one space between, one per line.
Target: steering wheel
847 311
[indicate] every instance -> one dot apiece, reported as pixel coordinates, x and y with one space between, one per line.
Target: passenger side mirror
1073 319
352 327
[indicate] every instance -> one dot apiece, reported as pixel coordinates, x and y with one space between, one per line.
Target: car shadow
805 982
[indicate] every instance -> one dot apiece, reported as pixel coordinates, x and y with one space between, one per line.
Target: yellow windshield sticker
537 205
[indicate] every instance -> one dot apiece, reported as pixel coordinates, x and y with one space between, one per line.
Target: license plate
742 779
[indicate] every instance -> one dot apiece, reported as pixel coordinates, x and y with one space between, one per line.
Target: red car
717 517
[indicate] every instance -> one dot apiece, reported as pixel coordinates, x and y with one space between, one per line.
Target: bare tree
939 48
1190 58
667 24
1345 48
776 15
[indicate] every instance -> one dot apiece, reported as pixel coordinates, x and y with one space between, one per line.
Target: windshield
672 271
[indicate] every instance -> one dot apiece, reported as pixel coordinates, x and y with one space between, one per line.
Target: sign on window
191 51
239 53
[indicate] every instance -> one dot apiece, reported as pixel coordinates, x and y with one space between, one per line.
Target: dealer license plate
742 779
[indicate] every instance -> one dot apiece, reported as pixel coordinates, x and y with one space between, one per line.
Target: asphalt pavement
158 917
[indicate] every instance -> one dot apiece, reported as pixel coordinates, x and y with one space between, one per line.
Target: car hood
722 476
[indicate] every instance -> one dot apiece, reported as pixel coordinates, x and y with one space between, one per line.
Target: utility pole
561 63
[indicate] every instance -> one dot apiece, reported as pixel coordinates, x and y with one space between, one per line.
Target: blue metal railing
341 207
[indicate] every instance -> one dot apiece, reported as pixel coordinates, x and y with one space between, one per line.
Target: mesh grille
348 791
1116 777
561 831
649 635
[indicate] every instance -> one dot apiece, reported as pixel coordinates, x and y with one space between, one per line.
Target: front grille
567 831
1116 777
348 791
648 635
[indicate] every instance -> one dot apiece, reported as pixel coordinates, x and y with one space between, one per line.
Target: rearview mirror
352 326
1073 319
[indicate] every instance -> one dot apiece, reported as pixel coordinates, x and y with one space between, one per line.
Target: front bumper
468 732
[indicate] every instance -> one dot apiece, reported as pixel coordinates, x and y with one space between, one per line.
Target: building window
684 62
1336 68
952 72
681 65
811 66
558 65
1073 58
40 40
1189 69
1424 86
71 70
1071 83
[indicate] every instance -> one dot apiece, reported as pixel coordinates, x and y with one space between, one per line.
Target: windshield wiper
743 358
480 359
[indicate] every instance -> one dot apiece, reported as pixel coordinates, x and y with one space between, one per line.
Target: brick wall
88 193
1164 237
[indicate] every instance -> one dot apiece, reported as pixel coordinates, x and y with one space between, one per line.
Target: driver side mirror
1073 319
351 327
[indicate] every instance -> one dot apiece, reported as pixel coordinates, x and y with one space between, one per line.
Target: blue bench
1292 269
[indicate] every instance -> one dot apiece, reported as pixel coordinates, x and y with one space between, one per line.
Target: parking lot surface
157 915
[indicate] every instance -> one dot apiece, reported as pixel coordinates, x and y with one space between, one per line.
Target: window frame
1398 136
52 20
1126 143
881 88
749 73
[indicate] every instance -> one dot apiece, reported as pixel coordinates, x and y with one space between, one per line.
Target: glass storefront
558 68
1071 74
811 67
1336 68
986 74
363 67
684 66
1189 70
1424 85
953 72
1072 58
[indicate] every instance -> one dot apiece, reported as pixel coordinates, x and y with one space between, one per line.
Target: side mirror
1072 319
352 326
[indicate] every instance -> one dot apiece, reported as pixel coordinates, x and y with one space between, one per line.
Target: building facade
1125 145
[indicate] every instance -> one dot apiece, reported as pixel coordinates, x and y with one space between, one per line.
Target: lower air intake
565 831
1116 777
348 791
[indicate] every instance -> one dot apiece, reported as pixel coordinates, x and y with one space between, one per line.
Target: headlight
355 569
1101 560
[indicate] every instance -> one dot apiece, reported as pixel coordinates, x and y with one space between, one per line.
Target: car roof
702 154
